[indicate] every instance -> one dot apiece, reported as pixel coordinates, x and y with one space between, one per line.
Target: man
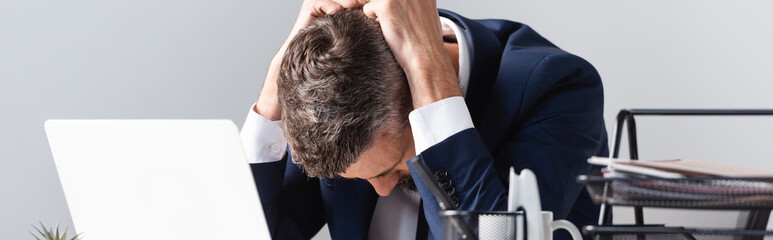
358 96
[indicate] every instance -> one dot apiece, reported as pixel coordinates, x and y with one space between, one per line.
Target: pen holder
484 225
499 225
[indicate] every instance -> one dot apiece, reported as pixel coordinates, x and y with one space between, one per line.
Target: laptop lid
156 179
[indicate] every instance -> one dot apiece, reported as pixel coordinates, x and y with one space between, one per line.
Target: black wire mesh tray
673 233
699 193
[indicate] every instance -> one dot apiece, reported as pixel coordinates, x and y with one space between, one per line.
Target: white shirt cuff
434 123
263 139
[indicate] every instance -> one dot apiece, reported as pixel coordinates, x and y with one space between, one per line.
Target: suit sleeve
291 201
559 127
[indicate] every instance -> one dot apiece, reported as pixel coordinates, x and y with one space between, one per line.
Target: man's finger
370 9
324 7
350 4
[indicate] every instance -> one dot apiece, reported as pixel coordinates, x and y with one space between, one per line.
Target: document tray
673 233
697 193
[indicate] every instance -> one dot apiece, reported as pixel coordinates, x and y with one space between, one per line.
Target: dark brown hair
340 88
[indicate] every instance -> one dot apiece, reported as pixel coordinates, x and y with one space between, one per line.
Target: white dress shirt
396 215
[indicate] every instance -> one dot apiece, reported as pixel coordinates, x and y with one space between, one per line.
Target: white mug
549 226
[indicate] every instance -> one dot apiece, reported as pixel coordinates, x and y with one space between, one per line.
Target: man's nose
383 186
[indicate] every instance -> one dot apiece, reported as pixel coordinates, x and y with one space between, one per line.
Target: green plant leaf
47 232
39 232
51 233
76 237
64 235
36 229
33 235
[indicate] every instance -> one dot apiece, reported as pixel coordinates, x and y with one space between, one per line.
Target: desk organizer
752 196
700 193
673 233
748 194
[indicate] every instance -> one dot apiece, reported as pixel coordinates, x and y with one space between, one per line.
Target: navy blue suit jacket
533 105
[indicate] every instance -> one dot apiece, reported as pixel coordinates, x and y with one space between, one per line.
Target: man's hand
412 30
268 103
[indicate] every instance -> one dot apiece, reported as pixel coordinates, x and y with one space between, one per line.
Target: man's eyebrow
385 171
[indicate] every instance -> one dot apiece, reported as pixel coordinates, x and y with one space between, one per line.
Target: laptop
156 179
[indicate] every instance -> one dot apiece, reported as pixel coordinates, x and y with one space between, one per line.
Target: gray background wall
207 59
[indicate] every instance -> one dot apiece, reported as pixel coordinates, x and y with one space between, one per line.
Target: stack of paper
676 168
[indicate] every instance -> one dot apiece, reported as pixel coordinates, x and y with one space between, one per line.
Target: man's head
345 102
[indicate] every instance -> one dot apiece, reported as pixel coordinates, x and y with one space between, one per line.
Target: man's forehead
383 155
362 168
371 163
